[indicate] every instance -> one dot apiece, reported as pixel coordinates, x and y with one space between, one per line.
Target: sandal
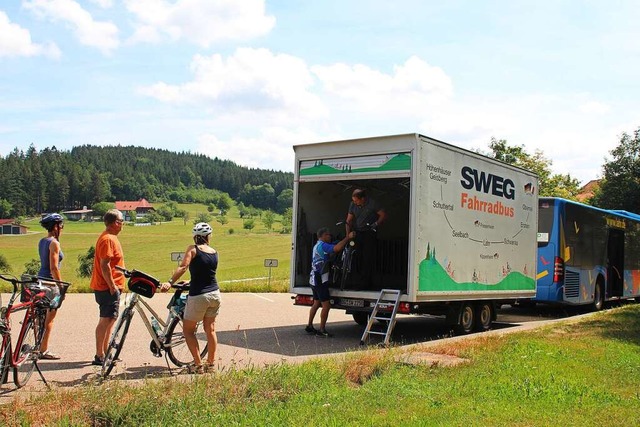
195 369
48 355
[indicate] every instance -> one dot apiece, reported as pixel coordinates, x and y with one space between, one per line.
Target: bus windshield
545 221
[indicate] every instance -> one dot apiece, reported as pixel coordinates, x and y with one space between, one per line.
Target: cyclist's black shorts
320 290
109 304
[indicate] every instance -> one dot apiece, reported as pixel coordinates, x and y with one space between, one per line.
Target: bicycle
165 335
341 267
37 295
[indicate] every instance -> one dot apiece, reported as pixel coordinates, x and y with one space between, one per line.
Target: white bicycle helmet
202 229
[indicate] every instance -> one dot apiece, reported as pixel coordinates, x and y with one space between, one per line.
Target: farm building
77 215
142 207
9 226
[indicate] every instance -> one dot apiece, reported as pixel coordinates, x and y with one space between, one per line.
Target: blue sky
246 80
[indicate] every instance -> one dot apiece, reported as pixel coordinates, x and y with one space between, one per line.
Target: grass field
148 248
580 374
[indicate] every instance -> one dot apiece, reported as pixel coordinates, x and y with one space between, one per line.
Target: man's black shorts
109 304
320 290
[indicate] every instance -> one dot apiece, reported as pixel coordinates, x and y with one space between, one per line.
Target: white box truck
460 235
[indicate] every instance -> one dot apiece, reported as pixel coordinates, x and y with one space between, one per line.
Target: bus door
615 263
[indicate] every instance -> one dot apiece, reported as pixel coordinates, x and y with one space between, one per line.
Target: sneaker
324 333
310 330
97 360
49 355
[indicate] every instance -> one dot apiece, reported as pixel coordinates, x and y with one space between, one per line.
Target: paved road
253 329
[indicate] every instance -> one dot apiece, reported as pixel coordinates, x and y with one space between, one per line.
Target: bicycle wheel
116 342
26 354
176 345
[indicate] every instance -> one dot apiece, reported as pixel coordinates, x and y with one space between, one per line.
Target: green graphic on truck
356 165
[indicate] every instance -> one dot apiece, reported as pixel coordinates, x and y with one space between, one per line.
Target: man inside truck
364 217
323 251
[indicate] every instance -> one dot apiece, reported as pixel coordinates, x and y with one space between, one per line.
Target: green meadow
148 248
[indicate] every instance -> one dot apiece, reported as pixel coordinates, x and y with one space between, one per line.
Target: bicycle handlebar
183 286
46 279
127 273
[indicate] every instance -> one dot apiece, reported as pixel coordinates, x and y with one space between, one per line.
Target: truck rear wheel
361 318
466 319
484 316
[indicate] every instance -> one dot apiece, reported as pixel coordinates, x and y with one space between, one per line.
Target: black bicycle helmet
50 220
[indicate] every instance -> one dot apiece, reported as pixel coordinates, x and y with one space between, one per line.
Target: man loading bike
364 217
323 250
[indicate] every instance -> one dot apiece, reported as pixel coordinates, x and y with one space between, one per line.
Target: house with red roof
9 226
142 207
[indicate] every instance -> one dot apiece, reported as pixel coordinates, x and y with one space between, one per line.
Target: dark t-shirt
365 214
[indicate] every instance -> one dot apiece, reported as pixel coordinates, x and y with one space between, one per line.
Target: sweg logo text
487 183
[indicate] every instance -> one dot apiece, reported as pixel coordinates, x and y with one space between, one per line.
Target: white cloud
251 80
16 41
271 148
594 107
412 87
89 32
203 22
105 4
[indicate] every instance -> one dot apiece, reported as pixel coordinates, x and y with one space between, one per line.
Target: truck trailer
460 236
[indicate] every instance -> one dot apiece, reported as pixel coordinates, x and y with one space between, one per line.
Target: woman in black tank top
204 295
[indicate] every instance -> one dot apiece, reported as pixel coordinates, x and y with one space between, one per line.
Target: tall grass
574 374
148 249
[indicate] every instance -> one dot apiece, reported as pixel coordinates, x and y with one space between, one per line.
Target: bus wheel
598 297
361 318
484 316
466 319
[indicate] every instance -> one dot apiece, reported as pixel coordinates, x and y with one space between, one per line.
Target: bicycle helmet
50 220
202 229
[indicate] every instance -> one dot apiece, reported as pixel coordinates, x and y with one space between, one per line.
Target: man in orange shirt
106 281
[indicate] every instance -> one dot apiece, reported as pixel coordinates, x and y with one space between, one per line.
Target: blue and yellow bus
586 255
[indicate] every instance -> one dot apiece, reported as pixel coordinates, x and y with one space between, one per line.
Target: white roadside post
270 263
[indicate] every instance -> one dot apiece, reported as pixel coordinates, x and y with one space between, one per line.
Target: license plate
352 303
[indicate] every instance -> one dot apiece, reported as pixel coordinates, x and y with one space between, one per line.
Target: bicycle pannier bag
143 284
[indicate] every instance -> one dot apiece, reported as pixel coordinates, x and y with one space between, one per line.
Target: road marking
243 280
260 296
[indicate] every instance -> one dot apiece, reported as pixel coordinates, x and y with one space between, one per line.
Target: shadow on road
293 341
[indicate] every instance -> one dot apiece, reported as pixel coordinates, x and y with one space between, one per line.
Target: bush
268 220
248 224
202 217
222 219
165 212
85 263
4 264
231 231
101 208
32 267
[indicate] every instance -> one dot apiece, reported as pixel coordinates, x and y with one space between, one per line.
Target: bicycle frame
139 304
6 341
